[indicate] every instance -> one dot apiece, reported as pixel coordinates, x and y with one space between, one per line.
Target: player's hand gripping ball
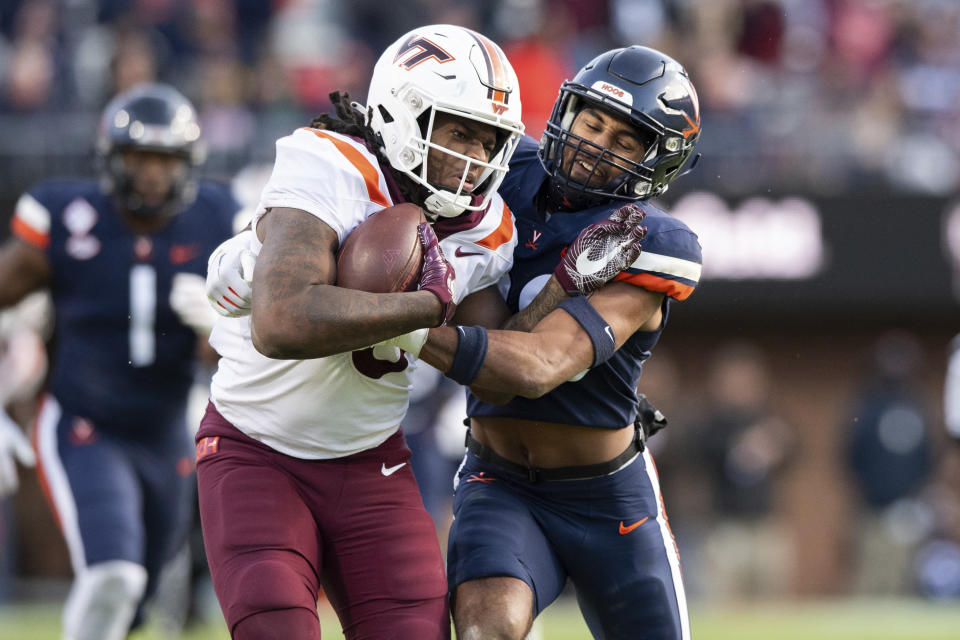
438 276
395 250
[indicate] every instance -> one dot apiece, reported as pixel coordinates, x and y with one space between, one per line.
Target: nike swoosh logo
586 266
609 332
389 471
625 530
460 253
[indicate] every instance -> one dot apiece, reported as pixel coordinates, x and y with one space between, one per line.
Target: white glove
410 342
188 298
230 276
13 445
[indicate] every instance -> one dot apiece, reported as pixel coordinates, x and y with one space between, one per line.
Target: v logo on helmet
424 49
691 96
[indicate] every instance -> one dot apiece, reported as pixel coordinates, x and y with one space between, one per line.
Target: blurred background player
122 258
890 455
745 449
301 444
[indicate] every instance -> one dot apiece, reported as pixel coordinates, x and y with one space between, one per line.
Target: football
383 254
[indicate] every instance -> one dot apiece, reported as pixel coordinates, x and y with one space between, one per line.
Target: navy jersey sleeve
671 260
40 209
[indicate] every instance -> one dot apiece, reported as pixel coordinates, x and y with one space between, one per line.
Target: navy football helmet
149 117
649 90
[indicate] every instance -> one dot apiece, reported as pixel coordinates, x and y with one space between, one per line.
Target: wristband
601 335
470 354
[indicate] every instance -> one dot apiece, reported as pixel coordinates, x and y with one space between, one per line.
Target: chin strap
444 204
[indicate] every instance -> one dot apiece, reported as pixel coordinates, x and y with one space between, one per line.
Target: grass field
822 620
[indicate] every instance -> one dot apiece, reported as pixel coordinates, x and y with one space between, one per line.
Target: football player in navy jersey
122 258
557 483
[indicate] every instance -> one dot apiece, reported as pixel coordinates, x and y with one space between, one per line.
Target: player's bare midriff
547 444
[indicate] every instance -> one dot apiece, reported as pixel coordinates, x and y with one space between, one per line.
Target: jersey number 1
143 313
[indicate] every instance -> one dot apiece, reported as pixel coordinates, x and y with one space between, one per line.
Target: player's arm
298 313
559 347
615 240
24 268
487 308
546 301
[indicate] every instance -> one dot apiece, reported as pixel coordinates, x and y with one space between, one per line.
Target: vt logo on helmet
424 79
652 98
424 50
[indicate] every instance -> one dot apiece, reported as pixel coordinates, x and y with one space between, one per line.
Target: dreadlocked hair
351 121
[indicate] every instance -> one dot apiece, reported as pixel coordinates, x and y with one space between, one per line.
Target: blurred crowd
784 478
813 95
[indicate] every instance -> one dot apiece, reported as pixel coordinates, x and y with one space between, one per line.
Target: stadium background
826 201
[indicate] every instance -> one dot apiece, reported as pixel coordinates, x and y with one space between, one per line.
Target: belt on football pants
535 474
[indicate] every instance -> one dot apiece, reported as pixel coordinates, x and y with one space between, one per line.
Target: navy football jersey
669 264
122 358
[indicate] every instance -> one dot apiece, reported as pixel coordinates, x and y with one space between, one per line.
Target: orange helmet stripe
497 80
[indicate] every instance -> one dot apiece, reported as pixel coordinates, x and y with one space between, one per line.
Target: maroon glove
437 275
601 251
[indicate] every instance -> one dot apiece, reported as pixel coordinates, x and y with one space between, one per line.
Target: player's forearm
546 301
442 345
516 363
528 364
323 320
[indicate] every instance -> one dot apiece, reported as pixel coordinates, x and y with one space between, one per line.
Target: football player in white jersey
302 469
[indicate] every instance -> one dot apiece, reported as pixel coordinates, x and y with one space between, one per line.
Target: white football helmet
448 69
